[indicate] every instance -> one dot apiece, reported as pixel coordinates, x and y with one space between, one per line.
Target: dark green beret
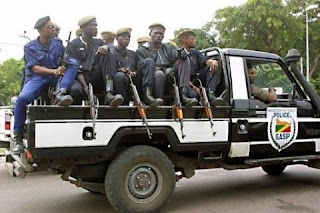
42 21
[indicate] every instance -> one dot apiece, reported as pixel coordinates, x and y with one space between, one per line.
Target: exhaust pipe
291 59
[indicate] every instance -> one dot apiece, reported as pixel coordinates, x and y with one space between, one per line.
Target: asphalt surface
297 190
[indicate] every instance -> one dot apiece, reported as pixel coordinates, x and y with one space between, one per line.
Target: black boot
62 99
18 144
215 101
149 100
109 98
185 100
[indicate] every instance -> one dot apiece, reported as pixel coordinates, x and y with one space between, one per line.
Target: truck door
280 128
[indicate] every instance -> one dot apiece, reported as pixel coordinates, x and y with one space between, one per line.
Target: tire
140 179
274 169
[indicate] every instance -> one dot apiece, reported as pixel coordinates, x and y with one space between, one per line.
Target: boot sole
192 103
65 101
156 103
217 103
117 102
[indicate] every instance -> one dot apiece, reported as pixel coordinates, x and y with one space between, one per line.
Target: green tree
272 26
259 25
11 74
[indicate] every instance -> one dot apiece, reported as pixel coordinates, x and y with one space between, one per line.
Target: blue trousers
34 86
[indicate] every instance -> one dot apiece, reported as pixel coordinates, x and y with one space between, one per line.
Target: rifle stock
177 106
207 107
93 110
140 105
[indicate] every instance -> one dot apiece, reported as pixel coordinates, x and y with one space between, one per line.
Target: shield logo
282 127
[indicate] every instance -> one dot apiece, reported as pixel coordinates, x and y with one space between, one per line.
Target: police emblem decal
282 127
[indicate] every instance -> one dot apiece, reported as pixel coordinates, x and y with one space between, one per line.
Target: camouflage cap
185 33
86 20
123 30
157 26
108 34
42 21
143 39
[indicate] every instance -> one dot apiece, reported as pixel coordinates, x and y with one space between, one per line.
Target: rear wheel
274 169
140 179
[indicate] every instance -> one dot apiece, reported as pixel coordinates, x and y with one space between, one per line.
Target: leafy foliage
11 74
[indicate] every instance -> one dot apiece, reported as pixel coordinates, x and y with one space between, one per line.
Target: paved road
245 191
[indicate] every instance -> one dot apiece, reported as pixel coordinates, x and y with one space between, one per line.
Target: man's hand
213 65
103 50
59 71
86 91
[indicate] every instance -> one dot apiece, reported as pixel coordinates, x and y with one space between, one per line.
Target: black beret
41 22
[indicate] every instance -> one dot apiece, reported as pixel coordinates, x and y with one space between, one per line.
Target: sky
17 16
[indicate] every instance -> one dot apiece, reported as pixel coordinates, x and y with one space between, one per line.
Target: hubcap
143 183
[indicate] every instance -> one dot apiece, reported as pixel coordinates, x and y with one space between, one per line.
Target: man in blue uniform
42 56
97 64
126 61
155 60
189 65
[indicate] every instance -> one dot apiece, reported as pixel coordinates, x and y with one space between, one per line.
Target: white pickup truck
6 116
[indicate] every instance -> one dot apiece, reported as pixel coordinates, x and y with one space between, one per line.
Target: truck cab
136 162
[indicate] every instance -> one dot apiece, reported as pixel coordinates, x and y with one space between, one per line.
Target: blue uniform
36 54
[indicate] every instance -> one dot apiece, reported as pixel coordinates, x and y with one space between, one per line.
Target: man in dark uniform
142 40
155 60
42 57
109 37
126 61
97 64
191 62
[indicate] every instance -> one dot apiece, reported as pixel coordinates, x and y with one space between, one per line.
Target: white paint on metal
239 149
239 86
69 134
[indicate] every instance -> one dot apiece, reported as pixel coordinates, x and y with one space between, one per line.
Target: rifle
65 55
177 106
93 102
206 104
63 60
140 105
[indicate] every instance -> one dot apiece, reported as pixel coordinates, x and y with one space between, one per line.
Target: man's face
48 30
157 36
190 42
109 40
124 39
91 29
251 75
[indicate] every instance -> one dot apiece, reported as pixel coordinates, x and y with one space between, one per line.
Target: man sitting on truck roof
191 62
42 57
269 96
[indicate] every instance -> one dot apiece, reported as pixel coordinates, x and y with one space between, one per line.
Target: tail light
8 121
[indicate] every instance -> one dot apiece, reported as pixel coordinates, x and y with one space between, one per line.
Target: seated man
155 60
97 64
126 61
190 63
269 96
42 57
